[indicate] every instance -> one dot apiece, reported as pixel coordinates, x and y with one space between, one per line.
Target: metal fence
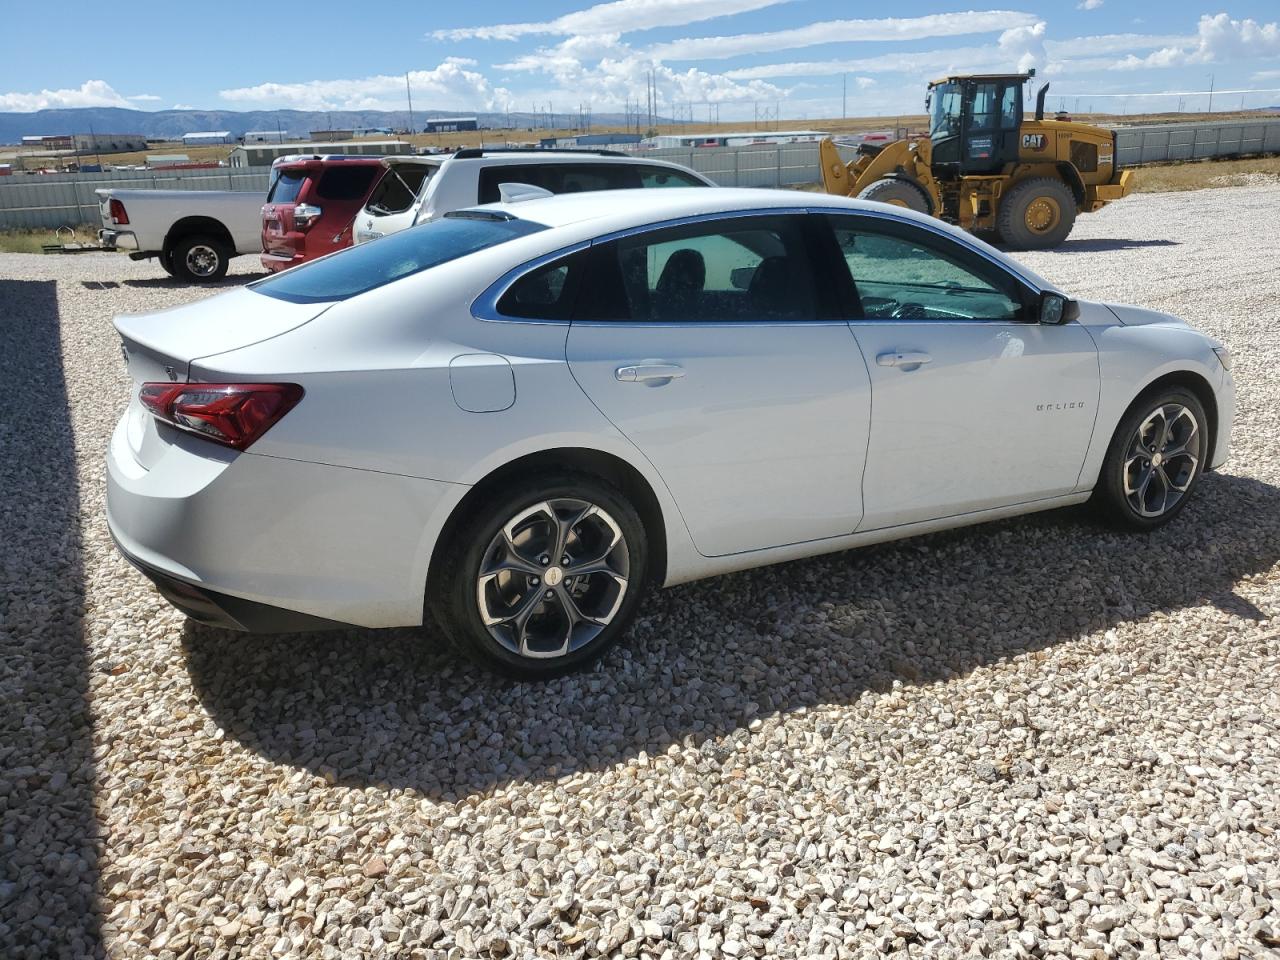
1161 143
52 200
56 199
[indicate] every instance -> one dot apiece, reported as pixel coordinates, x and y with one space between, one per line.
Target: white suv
418 189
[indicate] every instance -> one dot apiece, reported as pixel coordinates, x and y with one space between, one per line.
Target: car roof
629 209
501 157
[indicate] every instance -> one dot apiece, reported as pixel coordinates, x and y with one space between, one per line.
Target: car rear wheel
1154 461
166 262
544 579
200 259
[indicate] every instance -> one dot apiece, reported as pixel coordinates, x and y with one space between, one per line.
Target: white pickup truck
194 233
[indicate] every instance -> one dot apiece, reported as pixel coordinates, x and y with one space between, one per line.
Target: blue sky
512 55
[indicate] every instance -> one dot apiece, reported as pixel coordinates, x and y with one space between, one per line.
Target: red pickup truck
311 204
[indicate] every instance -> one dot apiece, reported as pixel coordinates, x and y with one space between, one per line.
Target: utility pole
1211 93
409 93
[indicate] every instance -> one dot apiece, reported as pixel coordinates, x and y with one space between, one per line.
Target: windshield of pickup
944 115
361 268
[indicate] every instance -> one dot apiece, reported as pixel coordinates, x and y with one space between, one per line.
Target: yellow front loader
985 167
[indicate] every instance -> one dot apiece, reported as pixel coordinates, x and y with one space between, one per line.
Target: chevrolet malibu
518 417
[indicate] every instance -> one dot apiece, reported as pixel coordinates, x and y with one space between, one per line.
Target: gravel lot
1031 738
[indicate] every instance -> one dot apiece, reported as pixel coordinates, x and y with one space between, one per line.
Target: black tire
1035 201
900 193
455 597
166 262
1110 496
198 258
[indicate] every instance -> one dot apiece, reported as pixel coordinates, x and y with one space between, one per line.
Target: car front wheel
543 579
1155 460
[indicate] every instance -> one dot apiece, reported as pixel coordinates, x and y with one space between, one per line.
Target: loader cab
974 123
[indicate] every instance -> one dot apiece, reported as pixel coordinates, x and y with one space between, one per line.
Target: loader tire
900 193
1036 214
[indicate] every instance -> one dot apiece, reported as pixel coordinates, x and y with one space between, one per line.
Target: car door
711 347
393 204
975 406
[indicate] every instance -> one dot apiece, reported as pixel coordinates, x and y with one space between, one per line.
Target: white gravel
1033 738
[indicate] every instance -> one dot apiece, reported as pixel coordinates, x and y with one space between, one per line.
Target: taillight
117 211
233 414
304 215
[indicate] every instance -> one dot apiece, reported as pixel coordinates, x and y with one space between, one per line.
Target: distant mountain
172 124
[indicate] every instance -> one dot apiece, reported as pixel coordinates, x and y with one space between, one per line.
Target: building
331 135
167 159
592 140
108 142
263 155
371 132
451 125
742 138
207 137
60 142
266 136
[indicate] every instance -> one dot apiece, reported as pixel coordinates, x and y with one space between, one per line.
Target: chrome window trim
485 306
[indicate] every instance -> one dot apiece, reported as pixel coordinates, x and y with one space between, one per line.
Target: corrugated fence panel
57 199
68 198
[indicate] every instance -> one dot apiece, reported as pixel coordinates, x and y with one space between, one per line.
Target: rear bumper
253 542
118 239
222 610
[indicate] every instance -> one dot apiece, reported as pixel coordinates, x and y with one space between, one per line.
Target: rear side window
547 292
286 186
346 182
369 265
558 177
736 269
663 177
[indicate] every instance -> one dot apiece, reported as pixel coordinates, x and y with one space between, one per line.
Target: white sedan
520 416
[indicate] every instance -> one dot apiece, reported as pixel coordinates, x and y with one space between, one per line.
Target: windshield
369 265
944 117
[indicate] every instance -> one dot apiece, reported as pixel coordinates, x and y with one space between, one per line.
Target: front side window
900 274
985 106
1009 107
734 269
369 265
945 106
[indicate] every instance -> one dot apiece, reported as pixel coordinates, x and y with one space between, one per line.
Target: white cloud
618 17
91 93
1266 76
144 98
451 85
1113 43
843 31
1089 4
182 106
607 73
1218 38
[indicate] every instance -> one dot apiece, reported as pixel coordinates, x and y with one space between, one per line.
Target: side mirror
1056 309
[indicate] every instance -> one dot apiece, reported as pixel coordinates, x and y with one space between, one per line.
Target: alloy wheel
553 578
1161 460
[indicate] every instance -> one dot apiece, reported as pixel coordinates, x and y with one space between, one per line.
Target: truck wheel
166 262
1036 214
900 193
200 259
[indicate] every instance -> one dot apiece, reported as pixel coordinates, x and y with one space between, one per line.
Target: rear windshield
370 265
286 185
343 182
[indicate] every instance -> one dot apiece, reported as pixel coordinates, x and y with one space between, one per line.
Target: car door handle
901 359
649 372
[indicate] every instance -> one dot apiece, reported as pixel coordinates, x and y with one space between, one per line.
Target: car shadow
397 708
49 897
1108 244
170 283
